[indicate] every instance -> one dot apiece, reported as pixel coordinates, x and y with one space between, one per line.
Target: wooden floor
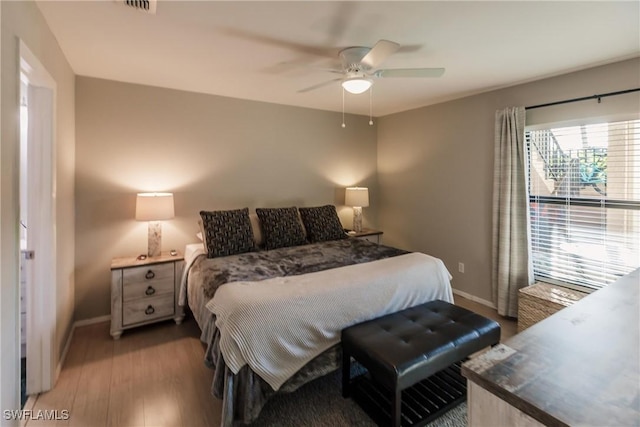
152 376
508 326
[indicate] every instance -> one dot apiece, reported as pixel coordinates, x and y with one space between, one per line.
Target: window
584 186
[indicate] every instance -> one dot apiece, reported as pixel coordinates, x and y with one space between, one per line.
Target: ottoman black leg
396 410
346 373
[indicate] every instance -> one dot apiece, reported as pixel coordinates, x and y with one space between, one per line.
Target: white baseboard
76 324
63 356
29 405
93 320
474 298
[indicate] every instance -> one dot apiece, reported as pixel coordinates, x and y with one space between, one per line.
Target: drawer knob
150 310
150 275
150 291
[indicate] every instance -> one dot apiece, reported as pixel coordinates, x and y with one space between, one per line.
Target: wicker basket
541 300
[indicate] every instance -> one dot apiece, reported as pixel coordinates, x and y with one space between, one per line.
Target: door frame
41 299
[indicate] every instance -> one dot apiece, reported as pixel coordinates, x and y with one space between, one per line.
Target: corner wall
435 165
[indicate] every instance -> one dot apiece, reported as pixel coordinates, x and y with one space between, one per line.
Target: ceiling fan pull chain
371 106
343 124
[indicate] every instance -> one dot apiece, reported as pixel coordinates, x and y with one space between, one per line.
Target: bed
271 317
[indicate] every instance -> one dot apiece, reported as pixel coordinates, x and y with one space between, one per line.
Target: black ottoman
413 360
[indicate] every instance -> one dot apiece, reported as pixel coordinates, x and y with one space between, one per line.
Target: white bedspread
191 252
278 325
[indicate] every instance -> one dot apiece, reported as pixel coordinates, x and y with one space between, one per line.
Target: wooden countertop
580 366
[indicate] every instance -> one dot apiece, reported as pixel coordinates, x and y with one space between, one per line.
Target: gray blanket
291 261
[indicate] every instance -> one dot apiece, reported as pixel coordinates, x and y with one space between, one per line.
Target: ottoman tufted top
403 348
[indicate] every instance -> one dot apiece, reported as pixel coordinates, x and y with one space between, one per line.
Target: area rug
320 404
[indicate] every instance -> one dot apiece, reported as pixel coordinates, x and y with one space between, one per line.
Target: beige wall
212 153
23 20
435 165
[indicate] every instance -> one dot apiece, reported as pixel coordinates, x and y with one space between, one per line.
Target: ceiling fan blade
299 66
319 85
381 51
287 44
410 72
327 70
409 48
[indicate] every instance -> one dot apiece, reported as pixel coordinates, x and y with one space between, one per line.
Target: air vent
147 6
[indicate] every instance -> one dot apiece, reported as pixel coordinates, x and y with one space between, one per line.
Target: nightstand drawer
148 289
147 274
147 309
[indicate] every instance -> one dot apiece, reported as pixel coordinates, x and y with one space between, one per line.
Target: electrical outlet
461 267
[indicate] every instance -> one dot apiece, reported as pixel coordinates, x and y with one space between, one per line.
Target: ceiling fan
360 68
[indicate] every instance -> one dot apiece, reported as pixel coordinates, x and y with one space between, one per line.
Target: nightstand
374 236
145 291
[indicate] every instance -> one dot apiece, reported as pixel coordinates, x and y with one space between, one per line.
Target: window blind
584 194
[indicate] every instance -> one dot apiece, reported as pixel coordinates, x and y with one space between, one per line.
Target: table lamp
357 197
154 207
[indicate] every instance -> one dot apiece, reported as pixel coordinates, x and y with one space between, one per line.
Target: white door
39 251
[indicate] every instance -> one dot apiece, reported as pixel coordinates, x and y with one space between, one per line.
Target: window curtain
512 268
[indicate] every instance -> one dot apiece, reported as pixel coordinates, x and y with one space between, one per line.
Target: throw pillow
281 227
227 232
322 223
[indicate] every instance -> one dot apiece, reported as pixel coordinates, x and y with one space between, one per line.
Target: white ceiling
267 51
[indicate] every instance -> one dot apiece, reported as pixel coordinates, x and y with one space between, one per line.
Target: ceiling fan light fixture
357 85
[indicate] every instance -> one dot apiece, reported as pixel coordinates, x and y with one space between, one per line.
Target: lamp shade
357 196
154 206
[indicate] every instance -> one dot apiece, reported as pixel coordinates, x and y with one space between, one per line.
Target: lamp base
155 239
357 219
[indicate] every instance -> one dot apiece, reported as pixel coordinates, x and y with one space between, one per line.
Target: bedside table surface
366 232
128 262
